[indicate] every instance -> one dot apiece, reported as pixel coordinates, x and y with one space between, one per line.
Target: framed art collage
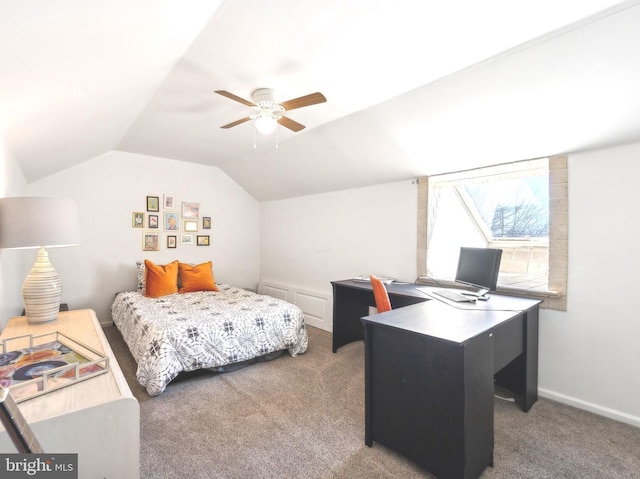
180 223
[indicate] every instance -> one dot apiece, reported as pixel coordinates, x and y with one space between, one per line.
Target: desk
351 301
430 369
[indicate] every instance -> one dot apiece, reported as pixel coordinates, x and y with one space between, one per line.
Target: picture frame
150 241
206 222
153 203
153 221
172 241
190 210
171 221
202 240
190 225
169 201
186 239
137 219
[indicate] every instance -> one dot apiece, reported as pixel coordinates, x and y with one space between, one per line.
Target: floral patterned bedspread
189 331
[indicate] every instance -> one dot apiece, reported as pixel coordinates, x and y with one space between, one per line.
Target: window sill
543 293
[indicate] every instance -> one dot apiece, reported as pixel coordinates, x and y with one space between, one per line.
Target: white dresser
97 418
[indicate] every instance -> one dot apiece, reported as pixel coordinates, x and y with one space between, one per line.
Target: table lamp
34 222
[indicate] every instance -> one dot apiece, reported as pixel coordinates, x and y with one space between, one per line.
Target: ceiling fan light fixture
266 124
269 112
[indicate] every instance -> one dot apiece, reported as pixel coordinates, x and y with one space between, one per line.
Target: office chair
380 294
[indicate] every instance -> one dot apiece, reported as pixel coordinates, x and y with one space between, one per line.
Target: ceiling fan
269 112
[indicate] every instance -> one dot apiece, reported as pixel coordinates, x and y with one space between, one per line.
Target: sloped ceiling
413 87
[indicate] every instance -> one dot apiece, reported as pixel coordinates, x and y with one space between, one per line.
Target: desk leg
531 360
521 375
367 386
349 305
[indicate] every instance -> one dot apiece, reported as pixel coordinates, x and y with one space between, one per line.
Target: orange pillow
380 294
161 280
197 278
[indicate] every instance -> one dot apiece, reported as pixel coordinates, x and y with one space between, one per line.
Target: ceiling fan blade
235 123
234 97
306 100
289 123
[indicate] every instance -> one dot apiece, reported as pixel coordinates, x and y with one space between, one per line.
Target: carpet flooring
304 418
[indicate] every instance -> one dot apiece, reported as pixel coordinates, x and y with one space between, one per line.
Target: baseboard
591 407
317 307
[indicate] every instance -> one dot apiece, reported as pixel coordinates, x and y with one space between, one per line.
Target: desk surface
401 289
496 301
422 311
441 321
451 321
425 293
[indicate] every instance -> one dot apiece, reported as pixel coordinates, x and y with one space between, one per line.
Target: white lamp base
42 290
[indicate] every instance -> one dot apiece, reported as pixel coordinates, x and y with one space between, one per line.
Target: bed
204 329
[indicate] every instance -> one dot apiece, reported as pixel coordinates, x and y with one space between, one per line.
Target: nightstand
63 307
98 418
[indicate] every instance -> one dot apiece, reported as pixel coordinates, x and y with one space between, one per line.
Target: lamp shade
32 222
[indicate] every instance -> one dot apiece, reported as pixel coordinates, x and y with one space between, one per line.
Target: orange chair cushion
380 294
197 278
160 280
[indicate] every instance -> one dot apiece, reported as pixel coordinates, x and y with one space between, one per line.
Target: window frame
556 295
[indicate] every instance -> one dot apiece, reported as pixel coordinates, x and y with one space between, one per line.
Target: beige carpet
304 418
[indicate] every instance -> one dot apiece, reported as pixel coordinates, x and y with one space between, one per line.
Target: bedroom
588 354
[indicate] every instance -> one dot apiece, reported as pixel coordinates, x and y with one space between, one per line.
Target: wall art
137 219
190 210
150 241
171 221
153 203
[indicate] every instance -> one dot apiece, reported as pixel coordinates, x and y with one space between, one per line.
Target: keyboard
456 297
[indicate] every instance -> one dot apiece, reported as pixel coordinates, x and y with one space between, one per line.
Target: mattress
204 329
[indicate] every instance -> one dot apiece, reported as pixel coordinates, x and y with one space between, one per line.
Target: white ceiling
413 87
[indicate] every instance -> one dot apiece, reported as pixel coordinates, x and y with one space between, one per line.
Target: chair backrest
380 294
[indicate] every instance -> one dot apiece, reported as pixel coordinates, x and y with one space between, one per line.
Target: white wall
589 355
309 241
110 187
12 183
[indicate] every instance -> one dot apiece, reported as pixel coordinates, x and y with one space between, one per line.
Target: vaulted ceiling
412 87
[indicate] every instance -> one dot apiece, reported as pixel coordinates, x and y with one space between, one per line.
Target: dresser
97 418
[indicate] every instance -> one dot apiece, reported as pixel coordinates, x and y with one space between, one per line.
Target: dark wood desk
430 369
351 301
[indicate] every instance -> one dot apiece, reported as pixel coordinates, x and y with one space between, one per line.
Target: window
517 207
